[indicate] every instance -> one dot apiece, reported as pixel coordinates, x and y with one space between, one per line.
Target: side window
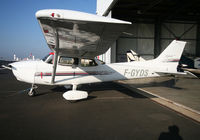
66 60
88 63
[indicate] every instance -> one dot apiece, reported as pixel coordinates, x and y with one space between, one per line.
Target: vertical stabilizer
173 52
168 60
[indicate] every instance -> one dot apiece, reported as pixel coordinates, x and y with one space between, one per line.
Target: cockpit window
68 61
48 59
63 60
88 63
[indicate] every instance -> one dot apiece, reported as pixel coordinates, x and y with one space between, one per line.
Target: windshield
48 58
44 59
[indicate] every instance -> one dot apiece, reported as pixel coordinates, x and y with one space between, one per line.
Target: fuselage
40 72
76 71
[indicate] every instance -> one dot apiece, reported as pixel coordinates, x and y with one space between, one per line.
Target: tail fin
168 60
173 52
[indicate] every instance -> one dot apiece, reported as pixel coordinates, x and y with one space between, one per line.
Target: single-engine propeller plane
76 38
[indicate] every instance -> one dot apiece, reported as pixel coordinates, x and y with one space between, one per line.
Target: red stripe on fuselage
64 74
81 73
41 75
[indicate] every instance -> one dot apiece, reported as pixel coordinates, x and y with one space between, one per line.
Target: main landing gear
71 95
32 92
74 95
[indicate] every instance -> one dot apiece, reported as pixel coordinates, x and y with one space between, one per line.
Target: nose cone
24 70
14 70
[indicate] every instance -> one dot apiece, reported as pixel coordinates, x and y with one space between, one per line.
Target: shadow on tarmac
173 134
168 83
100 87
110 86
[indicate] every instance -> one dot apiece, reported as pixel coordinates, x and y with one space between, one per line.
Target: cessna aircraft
76 38
133 56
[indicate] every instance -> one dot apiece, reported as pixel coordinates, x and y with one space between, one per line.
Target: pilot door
64 72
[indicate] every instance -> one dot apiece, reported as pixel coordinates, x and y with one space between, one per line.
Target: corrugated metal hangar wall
155 24
140 38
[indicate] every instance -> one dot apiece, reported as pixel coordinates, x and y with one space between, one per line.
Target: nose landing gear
32 92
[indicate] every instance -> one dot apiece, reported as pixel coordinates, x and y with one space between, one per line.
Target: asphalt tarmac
112 112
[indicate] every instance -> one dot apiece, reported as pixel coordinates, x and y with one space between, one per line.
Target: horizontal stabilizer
174 73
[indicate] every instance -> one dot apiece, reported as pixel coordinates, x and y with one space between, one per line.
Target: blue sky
20 33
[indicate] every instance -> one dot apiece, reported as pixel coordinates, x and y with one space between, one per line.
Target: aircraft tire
31 93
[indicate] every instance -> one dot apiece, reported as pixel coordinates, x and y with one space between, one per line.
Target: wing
79 34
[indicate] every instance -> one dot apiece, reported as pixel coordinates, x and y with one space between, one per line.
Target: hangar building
155 23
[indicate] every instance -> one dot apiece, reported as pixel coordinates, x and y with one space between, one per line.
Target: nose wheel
32 92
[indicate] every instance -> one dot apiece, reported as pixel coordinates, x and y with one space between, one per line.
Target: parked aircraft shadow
59 89
171 83
173 134
110 86
99 87
41 93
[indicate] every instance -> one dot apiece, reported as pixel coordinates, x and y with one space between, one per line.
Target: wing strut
56 51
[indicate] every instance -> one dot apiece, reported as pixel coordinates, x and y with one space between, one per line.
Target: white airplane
133 56
76 38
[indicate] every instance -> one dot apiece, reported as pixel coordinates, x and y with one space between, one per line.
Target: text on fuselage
136 72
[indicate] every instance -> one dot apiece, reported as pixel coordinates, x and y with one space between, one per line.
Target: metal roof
133 10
